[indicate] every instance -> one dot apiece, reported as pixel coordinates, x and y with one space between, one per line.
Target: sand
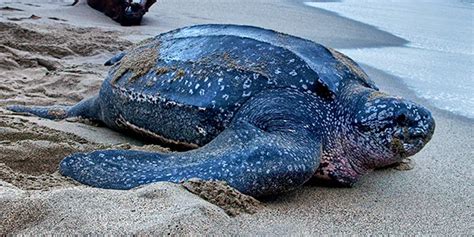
59 61
158 209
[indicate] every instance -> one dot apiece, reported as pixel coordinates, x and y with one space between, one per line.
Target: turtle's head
390 128
380 130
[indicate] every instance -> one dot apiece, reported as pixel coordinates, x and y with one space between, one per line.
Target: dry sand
56 57
158 209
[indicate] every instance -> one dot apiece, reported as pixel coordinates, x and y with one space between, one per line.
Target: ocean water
438 63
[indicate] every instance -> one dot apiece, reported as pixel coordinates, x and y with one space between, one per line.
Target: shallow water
438 63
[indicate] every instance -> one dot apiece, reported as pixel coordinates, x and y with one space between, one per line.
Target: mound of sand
158 209
41 45
41 64
30 154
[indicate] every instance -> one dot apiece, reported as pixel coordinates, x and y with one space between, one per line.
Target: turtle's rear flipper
87 108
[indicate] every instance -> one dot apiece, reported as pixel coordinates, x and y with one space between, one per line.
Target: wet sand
60 62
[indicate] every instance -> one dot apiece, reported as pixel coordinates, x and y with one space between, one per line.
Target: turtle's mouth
408 141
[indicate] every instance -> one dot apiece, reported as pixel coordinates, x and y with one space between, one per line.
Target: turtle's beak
415 127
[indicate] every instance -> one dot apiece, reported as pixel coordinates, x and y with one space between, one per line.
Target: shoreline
387 39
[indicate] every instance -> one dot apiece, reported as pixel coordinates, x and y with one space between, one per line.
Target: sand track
42 65
59 42
30 154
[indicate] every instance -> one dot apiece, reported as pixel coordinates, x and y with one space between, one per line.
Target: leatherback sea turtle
261 110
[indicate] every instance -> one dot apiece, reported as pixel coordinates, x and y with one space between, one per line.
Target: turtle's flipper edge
87 108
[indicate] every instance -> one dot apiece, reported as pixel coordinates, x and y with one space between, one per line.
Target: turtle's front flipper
116 58
267 149
87 108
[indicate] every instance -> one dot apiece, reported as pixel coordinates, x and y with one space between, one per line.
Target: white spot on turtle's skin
370 109
201 131
293 73
201 92
277 71
383 114
247 83
418 117
197 86
225 97
191 91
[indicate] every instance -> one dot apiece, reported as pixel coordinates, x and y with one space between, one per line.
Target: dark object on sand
32 17
265 111
126 12
56 19
7 8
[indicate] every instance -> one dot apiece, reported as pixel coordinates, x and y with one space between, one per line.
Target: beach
435 197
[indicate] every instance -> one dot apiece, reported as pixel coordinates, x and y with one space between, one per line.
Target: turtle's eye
401 119
364 128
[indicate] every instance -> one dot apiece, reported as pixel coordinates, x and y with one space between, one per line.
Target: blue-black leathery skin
266 111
